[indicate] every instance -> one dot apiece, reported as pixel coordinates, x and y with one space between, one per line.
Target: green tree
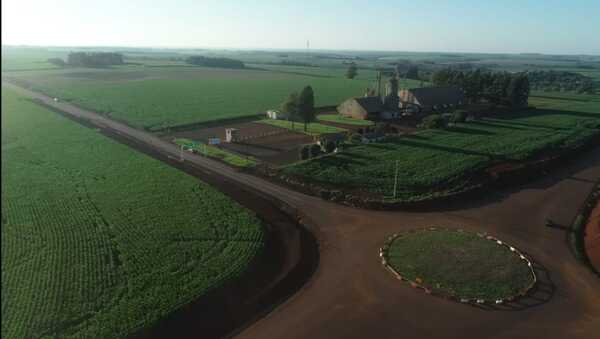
518 90
352 71
306 106
291 108
413 72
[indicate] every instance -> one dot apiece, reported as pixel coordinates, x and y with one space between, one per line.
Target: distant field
159 97
436 162
98 240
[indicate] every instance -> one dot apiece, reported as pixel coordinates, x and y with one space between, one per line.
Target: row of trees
501 88
214 62
561 81
94 59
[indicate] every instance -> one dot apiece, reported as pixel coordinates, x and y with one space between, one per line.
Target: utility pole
396 180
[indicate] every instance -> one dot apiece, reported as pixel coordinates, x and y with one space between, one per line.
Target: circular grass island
460 265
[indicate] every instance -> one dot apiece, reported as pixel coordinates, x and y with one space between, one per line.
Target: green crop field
158 97
99 240
438 162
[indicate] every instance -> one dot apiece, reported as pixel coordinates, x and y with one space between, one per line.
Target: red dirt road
592 237
352 296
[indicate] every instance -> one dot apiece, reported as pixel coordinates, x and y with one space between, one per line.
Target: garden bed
459 265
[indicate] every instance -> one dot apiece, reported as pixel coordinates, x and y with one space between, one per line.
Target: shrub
433 121
459 116
304 152
315 150
355 138
329 146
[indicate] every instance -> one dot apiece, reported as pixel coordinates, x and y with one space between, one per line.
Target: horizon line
228 48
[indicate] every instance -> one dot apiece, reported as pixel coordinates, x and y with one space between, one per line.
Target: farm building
428 99
365 108
277 115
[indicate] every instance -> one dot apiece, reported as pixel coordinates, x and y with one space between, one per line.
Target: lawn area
435 163
218 153
313 128
344 120
158 97
460 264
99 240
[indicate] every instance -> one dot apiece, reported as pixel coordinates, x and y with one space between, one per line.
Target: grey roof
429 96
370 104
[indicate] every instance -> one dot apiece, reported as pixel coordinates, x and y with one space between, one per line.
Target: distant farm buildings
415 100
365 108
429 99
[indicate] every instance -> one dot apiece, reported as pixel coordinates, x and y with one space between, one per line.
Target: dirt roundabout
471 268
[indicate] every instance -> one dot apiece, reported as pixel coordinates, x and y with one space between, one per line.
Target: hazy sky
514 26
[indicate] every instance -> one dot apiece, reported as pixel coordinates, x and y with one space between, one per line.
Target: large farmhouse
368 107
428 99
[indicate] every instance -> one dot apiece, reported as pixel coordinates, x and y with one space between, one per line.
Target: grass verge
218 153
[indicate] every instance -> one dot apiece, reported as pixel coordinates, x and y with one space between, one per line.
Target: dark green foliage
413 72
306 106
315 150
291 107
561 81
355 138
518 91
214 62
304 152
459 116
433 121
329 146
500 88
352 71
94 59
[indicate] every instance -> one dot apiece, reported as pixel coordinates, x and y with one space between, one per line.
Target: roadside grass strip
216 153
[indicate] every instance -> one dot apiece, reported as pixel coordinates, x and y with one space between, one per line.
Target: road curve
352 296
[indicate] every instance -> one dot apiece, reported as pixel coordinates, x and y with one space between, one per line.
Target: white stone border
465 300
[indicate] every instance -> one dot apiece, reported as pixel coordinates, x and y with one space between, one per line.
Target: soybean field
159 97
99 240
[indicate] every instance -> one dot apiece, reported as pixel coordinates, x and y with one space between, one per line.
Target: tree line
214 62
560 81
94 59
502 88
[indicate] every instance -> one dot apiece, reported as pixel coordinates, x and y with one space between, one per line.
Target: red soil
592 237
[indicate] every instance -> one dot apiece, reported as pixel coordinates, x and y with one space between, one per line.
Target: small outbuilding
429 99
276 115
232 134
365 108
